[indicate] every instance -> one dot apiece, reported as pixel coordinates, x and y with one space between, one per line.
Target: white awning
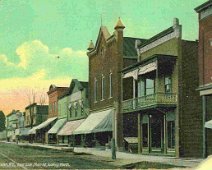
96 122
133 74
147 68
69 127
57 126
208 124
42 125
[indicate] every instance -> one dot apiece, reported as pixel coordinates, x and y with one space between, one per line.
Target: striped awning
96 122
208 124
69 127
57 126
42 125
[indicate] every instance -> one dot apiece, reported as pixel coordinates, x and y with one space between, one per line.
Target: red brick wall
53 98
205 51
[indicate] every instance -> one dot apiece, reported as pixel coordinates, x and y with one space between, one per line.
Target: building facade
74 107
163 94
205 72
53 94
35 114
11 125
110 54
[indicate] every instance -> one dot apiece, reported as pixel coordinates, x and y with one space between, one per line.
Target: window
168 84
82 107
210 42
95 89
171 134
76 109
110 79
150 86
70 109
55 107
146 87
103 87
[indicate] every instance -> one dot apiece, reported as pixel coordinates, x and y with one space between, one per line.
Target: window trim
95 90
103 87
168 84
110 85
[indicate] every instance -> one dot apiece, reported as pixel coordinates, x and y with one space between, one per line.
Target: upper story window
110 85
102 51
150 86
76 108
95 89
82 107
70 109
103 87
210 42
146 86
168 84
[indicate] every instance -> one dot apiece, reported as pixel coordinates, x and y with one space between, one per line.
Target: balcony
149 101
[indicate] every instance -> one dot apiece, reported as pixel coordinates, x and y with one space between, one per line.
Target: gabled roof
80 84
129 49
158 36
203 6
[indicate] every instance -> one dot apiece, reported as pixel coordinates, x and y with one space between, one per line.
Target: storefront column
165 139
134 92
203 126
139 134
149 134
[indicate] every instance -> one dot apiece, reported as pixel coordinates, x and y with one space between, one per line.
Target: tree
2 121
31 96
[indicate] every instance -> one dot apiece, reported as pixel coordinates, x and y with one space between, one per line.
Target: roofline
55 89
203 6
157 36
145 60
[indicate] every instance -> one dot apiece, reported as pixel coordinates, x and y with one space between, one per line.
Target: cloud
28 50
4 60
37 68
35 55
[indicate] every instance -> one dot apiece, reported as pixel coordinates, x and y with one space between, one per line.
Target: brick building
110 54
164 97
205 72
53 93
39 133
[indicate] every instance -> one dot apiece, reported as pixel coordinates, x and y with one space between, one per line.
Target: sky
33 33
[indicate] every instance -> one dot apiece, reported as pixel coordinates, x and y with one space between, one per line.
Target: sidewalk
123 158
128 158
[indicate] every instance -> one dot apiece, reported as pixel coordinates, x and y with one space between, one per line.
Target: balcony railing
149 100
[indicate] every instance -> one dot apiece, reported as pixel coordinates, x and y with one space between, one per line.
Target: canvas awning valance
147 68
208 124
69 127
42 125
96 122
141 70
133 74
57 126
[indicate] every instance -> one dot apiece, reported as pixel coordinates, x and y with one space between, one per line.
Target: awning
208 124
96 122
69 127
24 131
57 126
42 125
147 68
133 74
